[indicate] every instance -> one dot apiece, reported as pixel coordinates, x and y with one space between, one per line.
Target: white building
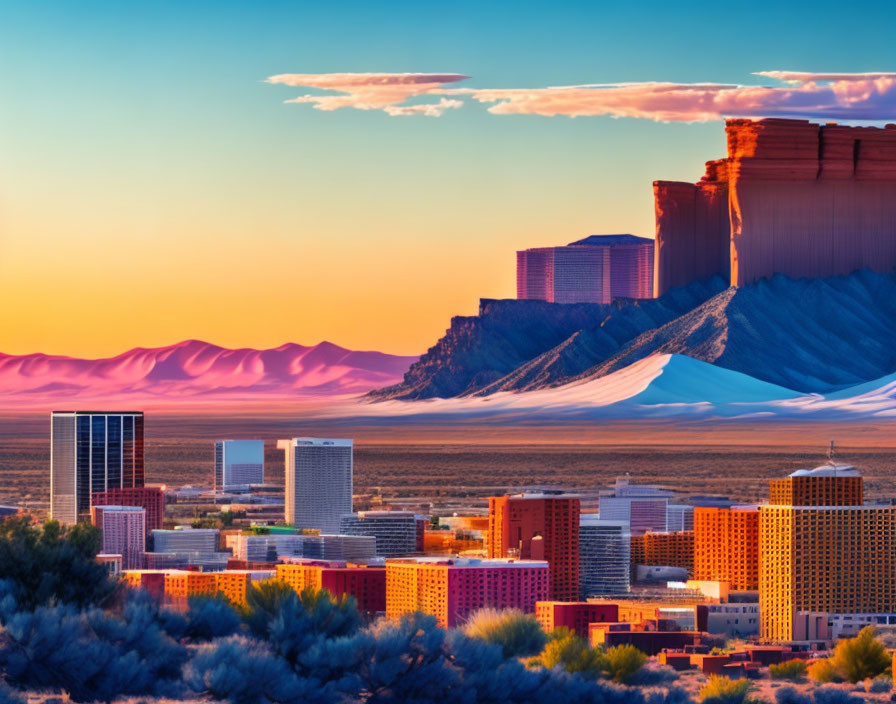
185 539
318 482
679 517
395 531
123 533
604 556
238 463
267 548
350 548
642 506
733 619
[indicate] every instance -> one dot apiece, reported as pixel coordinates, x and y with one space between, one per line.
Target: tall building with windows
395 531
150 498
318 482
824 558
604 557
123 533
642 506
238 463
726 546
90 452
596 269
539 527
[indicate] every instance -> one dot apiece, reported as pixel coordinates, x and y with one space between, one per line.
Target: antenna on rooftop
831 453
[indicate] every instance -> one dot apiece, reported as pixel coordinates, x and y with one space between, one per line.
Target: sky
155 186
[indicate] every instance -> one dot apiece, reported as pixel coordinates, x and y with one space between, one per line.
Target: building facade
318 482
90 452
604 557
451 589
123 533
238 463
539 527
596 269
396 532
574 615
366 584
726 546
642 506
149 498
669 549
186 539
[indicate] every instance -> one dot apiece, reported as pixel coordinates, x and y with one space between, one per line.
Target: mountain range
805 335
195 370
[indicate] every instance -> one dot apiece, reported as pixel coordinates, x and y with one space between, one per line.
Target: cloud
797 94
374 91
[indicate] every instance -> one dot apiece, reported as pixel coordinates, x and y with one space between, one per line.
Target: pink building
152 498
596 269
124 533
451 589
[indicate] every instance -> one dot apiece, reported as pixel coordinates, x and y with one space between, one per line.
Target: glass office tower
92 451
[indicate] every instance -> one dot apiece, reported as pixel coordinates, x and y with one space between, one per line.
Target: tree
517 633
862 657
50 563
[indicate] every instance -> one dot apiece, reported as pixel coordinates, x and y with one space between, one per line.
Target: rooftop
828 470
610 240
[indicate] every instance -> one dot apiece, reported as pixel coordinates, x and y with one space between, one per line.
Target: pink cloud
373 91
848 96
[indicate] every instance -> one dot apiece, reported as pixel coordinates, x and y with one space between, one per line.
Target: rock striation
792 197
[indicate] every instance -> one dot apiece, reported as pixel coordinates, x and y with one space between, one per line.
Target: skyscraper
826 558
596 269
92 451
124 533
151 498
642 506
395 531
539 527
726 545
238 463
318 482
604 557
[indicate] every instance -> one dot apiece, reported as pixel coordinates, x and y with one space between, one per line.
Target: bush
823 671
724 690
832 695
517 633
879 684
622 662
790 670
862 657
567 650
789 695
210 617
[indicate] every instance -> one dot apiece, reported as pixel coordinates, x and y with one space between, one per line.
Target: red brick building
152 498
539 527
574 615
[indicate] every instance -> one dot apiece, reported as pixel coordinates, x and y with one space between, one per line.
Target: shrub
832 695
879 684
622 662
210 617
790 670
567 650
517 633
862 657
823 671
724 690
789 695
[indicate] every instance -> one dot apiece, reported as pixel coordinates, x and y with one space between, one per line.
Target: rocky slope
809 335
480 351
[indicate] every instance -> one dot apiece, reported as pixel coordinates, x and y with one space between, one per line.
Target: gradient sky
154 188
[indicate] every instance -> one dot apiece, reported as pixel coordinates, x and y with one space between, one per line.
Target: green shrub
862 657
790 670
724 690
623 662
517 633
572 653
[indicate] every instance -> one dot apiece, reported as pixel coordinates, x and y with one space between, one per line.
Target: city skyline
174 161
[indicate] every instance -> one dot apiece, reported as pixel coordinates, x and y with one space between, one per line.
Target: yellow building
726 546
824 559
180 585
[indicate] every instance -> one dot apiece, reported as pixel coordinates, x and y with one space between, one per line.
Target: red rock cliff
801 199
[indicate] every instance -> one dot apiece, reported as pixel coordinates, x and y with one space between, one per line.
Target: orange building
726 546
152 581
675 549
234 584
453 588
366 584
539 527
180 585
574 615
832 559
828 485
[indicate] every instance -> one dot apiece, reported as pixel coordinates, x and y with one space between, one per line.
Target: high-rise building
828 485
150 498
396 532
726 546
539 527
366 584
642 506
90 452
596 269
824 559
679 517
318 482
186 539
350 548
267 548
604 557
667 549
453 588
123 533
238 463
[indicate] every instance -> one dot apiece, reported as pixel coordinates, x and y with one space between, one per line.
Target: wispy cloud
374 91
849 96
